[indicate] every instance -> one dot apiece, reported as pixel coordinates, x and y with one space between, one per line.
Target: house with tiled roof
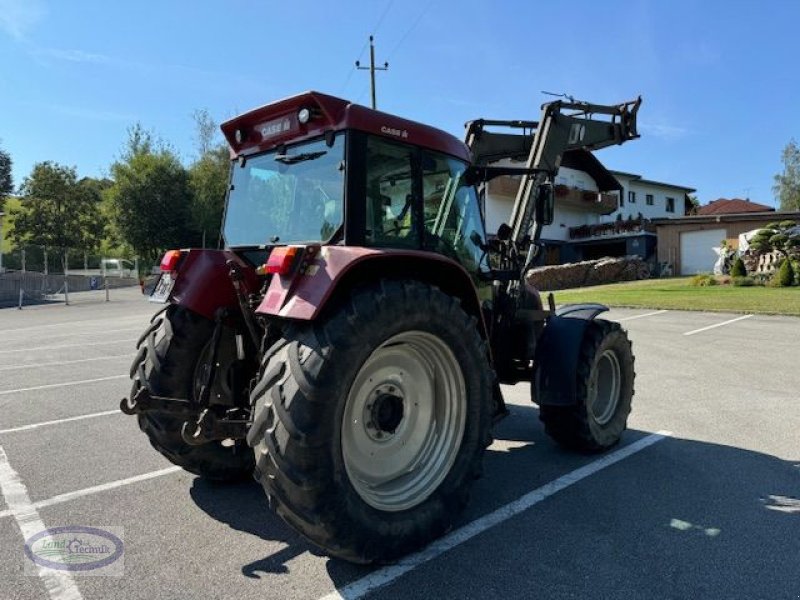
734 206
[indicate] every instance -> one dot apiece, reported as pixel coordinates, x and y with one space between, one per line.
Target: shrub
738 269
702 280
743 282
785 275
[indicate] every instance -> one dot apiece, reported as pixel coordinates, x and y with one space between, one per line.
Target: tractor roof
277 123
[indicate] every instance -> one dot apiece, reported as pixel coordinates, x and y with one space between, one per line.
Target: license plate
163 288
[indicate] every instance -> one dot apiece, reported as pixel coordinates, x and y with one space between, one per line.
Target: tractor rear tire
168 363
370 424
605 377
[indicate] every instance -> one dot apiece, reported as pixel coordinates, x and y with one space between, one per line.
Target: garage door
697 250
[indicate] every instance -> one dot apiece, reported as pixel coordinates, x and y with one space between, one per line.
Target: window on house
631 197
671 205
649 199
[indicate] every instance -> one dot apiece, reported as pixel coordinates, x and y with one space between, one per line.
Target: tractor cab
315 169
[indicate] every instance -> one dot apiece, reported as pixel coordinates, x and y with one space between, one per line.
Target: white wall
660 194
564 218
498 208
576 179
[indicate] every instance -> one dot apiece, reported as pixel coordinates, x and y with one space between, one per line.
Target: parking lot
702 498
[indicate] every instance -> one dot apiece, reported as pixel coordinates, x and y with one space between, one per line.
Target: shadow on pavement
681 519
244 507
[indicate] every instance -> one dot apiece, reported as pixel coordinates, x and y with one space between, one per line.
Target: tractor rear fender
202 283
331 271
557 353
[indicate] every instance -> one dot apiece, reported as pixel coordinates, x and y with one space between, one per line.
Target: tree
785 275
6 181
787 184
782 237
738 269
208 179
695 202
206 131
58 211
150 197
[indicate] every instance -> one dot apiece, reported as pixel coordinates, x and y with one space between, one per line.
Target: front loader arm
563 126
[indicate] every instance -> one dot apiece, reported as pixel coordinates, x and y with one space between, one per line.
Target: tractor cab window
390 218
286 196
453 223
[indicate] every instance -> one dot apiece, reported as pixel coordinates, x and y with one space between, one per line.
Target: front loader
348 345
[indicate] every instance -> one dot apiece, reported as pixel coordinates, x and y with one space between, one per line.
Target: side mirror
545 204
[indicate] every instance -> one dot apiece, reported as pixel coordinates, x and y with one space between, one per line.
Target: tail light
281 259
170 260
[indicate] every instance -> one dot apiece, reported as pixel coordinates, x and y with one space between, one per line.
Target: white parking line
68 346
64 362
57 421
63 323
60 584
381 577
95 489
650 314
83 333
63 384
717 325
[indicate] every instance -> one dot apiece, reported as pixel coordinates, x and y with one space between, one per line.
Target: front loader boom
563 126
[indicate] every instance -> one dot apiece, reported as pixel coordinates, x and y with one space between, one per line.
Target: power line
382 17
364 47
410 29
351 71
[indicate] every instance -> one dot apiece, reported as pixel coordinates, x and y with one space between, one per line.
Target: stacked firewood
589 272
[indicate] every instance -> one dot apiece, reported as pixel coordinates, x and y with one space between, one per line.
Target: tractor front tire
370 424
605 377
168 363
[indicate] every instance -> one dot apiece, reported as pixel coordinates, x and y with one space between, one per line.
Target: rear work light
170 260
281 259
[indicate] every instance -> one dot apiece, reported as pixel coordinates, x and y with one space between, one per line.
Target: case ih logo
401 133
277 127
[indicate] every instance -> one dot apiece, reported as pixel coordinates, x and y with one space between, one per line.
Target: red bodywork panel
302 294
277 123
202 283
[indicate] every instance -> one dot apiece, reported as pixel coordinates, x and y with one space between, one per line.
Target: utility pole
372 68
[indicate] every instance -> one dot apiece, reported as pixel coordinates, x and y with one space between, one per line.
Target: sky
720 80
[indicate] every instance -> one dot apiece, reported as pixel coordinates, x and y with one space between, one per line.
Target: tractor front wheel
370 425
605 377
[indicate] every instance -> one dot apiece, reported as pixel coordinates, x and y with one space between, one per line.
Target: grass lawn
677 294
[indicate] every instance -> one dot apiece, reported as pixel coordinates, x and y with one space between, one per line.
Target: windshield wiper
290 159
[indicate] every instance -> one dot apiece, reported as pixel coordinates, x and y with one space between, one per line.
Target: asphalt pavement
701 499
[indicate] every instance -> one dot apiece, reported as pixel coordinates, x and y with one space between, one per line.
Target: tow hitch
204 422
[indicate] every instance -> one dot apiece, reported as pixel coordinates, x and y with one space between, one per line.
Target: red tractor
348 345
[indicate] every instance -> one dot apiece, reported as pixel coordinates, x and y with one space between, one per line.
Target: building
598 212
734 206
689 244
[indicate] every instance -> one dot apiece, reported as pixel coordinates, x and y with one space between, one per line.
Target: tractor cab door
453 224
422 200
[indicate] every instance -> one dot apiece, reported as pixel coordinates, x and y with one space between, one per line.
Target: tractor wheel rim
403 421
605 387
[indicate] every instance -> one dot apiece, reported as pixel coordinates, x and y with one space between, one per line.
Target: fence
34 275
